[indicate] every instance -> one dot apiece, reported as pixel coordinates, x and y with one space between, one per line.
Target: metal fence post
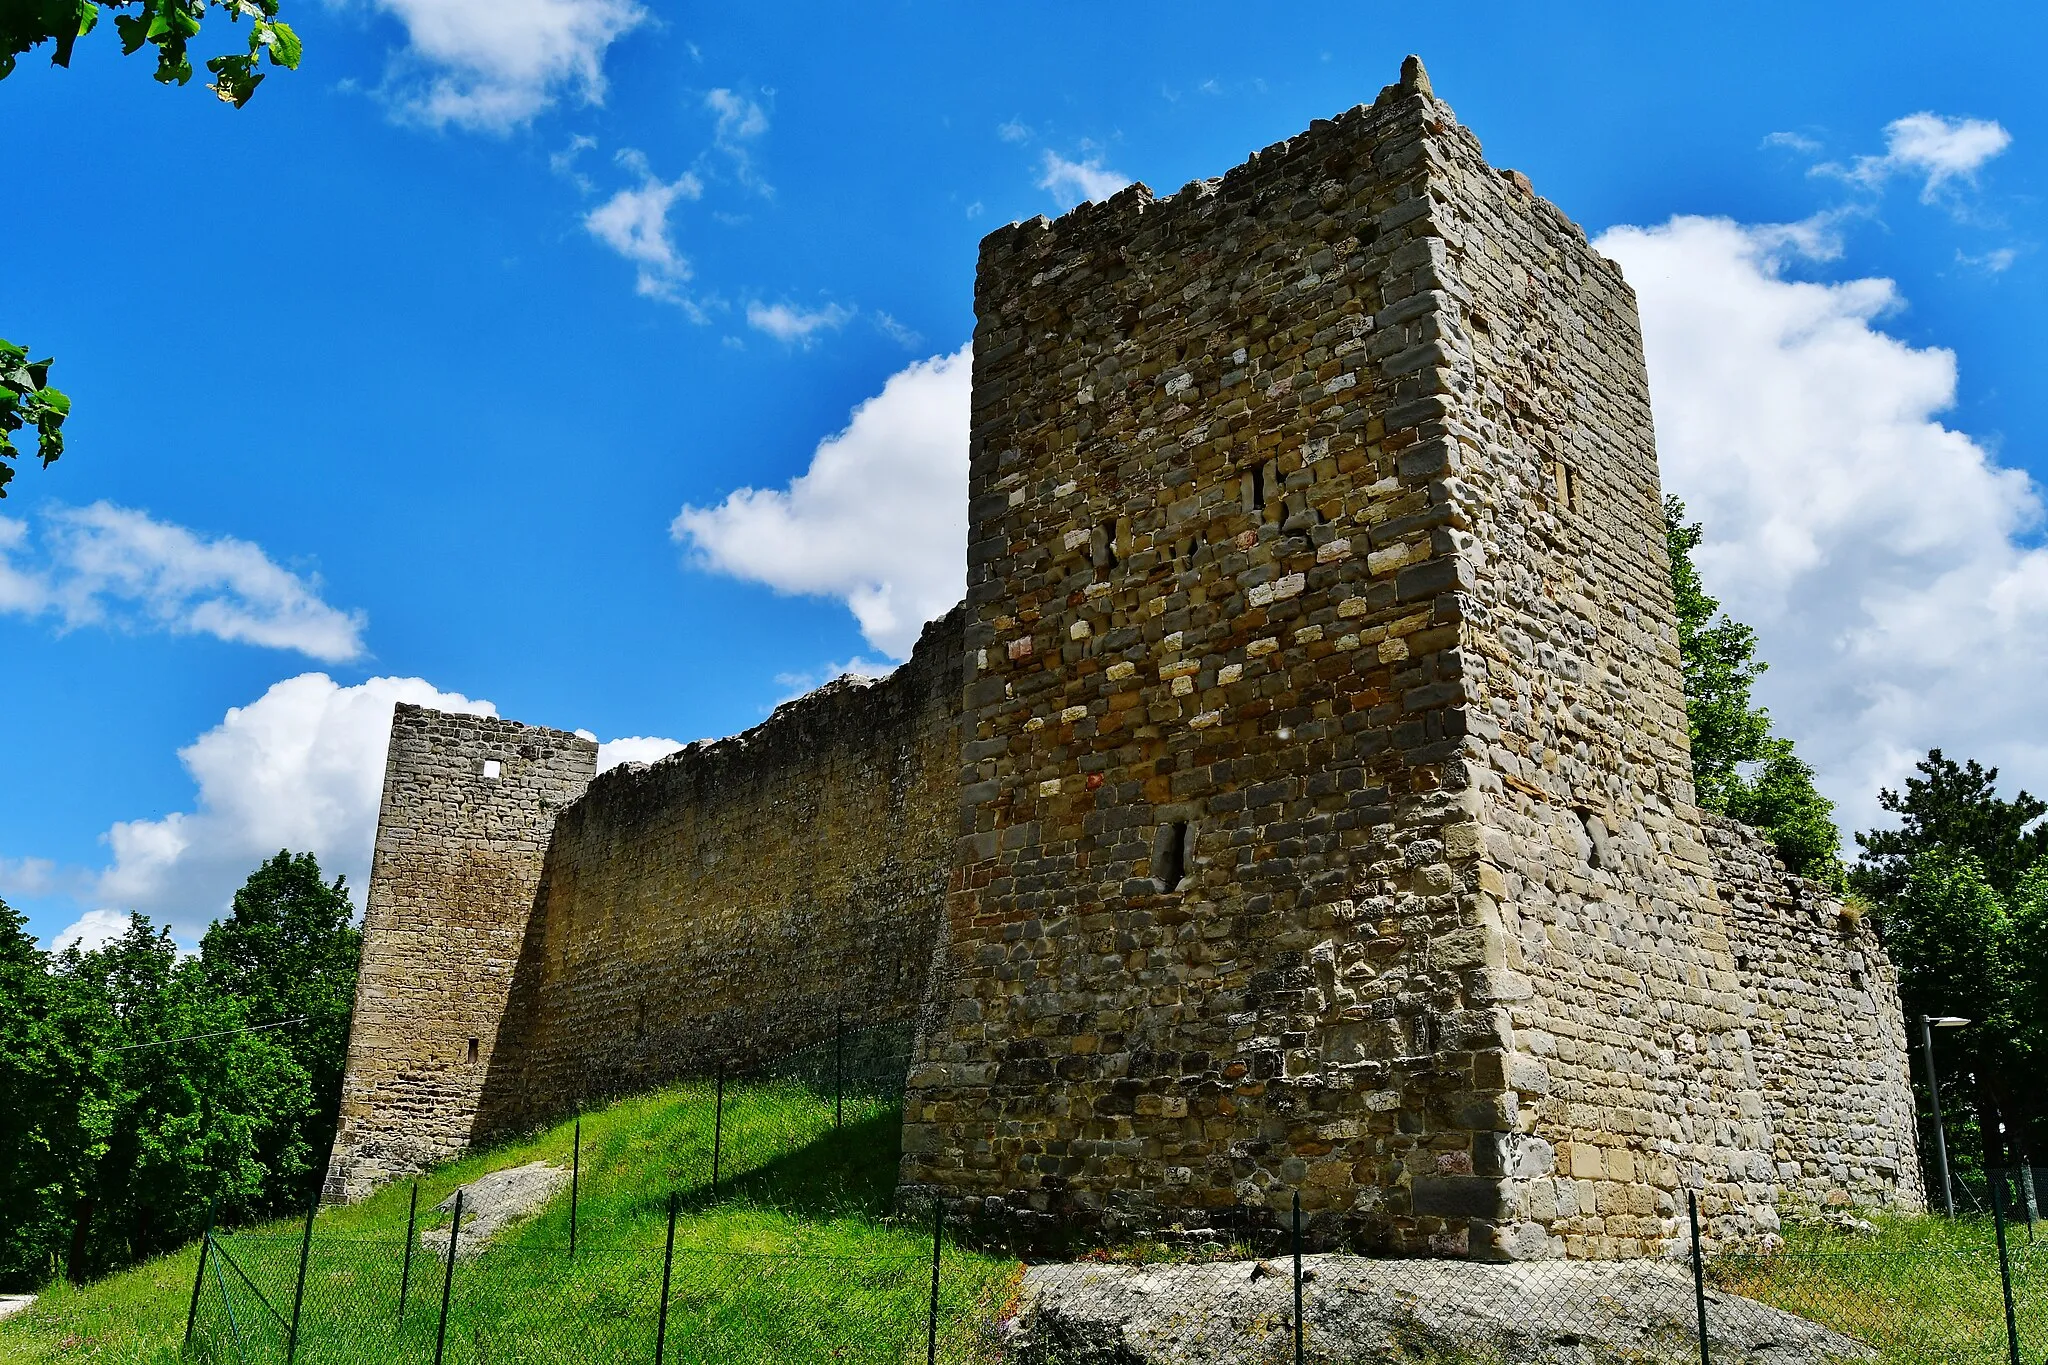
931 1328
291 1349
1297 1277
2012 1331
575 1183
838 1070
668 1257
448 1280
199 1277
717 1129
412 1214
1699 1274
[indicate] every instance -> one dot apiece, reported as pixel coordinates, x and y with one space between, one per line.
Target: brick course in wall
1300 801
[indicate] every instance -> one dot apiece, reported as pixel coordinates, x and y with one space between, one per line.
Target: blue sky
413 369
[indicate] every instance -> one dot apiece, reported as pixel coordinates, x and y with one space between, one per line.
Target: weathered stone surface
740 898
469 805
1300 802
491 1203
1354 1309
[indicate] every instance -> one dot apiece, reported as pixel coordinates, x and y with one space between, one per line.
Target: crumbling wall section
468 805
741 897
1825 1023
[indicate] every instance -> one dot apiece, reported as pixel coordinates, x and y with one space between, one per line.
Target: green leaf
88 17
134 33
285 47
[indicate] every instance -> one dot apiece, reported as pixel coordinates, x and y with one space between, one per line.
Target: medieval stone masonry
1300 801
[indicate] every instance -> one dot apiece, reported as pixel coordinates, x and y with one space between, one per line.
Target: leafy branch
166 25
28 401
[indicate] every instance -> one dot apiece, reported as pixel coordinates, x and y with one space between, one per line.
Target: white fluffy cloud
632 749
634 223
879 519
798 326
114 566
1073 181
492 65
1883 557
301 767
1933 146
91 930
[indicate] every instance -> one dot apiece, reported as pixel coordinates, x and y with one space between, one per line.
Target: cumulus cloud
879 519
632 749
634 223
301 767
1072 181
798 326
1937 149
93 929
492 65
1883 557
114 566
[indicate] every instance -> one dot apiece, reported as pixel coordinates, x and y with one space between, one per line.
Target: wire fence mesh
710 1270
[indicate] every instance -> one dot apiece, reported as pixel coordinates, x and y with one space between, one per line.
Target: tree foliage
27 402
1961 893
1955 808
142 1092
1739 767
166 26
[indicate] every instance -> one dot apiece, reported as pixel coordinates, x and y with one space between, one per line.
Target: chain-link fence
711 1270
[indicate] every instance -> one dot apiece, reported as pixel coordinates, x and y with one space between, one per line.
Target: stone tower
1325 807
469 805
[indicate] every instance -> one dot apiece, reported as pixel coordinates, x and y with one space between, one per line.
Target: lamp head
1945 1021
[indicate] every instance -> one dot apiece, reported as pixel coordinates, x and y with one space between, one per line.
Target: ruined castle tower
469 806
1325 797
1300 802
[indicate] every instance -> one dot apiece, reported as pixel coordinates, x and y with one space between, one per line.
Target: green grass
1924 1291
797 1258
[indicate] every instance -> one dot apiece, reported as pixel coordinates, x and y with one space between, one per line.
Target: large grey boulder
1357 1309
492 1202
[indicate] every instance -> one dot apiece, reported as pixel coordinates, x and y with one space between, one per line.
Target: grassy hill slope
796 1257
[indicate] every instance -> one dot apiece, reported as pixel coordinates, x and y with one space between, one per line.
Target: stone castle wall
1629 1072
740 898
1829 1036
1299 802
469 805
1217 596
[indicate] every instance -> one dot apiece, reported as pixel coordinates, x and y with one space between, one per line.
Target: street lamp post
1929 1023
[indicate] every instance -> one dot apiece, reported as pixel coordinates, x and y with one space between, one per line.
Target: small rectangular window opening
491 769
1566 481
1105 547
471 1058
1255 488
1172 855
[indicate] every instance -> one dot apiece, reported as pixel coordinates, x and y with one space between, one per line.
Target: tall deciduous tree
288 952
1739 767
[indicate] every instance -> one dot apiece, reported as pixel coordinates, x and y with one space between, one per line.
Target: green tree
1739 768
167 26
1961 891
1956 808
48 1088
28 401
288 952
